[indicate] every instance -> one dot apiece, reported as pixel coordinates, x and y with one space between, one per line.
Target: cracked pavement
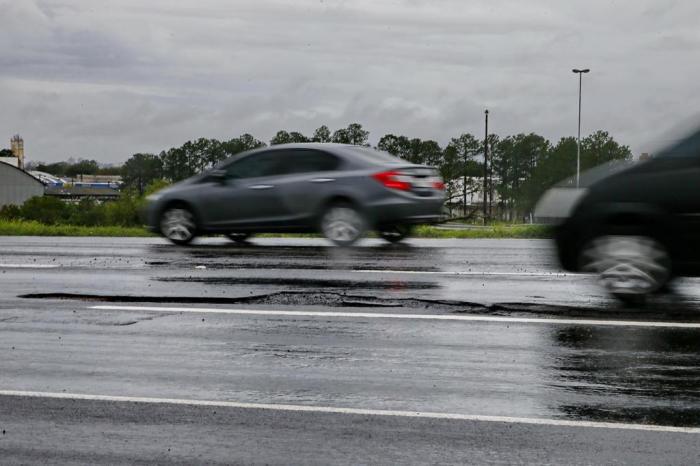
156 332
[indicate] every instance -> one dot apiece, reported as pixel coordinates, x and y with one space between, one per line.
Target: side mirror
218 176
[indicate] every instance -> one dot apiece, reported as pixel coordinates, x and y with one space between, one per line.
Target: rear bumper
401 210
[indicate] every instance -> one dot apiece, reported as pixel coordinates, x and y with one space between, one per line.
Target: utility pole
578 140
486 164
464 185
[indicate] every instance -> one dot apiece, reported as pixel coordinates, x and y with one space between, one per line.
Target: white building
475 191
16 186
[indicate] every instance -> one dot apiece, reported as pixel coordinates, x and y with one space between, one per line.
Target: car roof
346 151
307 145
332 147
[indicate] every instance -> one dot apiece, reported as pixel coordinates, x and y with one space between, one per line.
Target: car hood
558 202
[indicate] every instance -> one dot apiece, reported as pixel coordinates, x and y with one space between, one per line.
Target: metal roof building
76 193
16 186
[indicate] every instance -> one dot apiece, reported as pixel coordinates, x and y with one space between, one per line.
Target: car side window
255 165
295 161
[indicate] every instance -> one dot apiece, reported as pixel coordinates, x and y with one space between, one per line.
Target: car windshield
593 175
687 147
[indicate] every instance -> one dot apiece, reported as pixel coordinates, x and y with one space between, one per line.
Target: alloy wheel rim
178 224
630 265
342 224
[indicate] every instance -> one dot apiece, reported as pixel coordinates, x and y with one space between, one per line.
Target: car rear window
374 156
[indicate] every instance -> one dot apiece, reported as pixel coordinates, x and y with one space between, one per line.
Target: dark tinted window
307 161
688 147
253 166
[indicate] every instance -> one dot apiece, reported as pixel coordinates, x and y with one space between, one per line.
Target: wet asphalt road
522 391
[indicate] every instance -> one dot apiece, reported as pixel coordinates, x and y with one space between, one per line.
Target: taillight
439 184
394 180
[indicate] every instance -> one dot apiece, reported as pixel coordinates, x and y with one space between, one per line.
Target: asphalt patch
658 312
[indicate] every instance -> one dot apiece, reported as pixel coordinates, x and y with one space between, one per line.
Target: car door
668 185
682 196
310 177
248 197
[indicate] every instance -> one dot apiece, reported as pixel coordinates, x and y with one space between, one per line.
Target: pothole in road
284 298
659 312
266 265
306 283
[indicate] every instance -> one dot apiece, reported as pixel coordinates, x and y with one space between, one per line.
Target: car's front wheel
177 223
395 233
629 267
343 224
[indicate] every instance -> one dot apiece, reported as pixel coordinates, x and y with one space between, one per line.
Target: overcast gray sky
105 79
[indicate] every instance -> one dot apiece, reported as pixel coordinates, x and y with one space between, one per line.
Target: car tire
239 237
395 233
178 224
629 267
342 224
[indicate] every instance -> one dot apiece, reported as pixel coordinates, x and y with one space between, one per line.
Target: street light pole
578 140
486 163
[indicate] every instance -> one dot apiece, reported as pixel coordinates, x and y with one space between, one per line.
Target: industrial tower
17 148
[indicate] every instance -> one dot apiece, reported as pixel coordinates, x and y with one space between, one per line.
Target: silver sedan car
342 191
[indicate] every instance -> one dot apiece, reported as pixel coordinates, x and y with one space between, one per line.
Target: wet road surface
216 353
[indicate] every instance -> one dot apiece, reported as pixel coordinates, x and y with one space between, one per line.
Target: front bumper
149 216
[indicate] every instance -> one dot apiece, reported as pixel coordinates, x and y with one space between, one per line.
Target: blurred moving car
339 190
637 226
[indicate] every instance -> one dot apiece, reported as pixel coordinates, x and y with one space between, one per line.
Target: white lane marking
379 315
407 272
354 411
29 266
486 274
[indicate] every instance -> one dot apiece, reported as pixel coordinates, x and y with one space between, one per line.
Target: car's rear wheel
177 223
343 224
629 267
395 233
239 237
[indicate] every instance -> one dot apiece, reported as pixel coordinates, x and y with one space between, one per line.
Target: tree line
73 169
521 167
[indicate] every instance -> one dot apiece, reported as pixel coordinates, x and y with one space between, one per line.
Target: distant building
16 186
475 191
97 181
47 178
644 156
75 193
17 148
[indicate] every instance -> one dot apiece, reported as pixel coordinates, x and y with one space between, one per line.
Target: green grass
491 231
31 228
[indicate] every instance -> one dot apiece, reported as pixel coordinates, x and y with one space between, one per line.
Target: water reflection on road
626 375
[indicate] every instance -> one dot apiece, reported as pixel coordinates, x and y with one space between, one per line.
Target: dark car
636 226
339 190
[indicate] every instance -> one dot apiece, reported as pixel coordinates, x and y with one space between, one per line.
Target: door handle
322 180
261 186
